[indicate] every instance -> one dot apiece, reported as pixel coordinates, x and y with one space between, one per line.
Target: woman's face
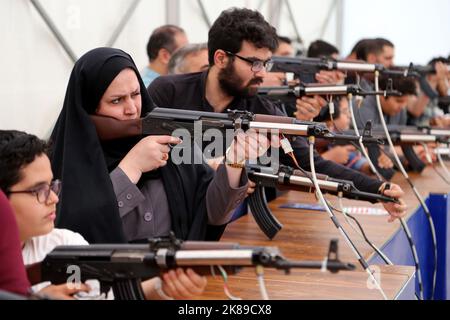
122 100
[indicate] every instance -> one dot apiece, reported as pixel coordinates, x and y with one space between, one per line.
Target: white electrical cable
405 174
334 219
402 221
361 144
261 283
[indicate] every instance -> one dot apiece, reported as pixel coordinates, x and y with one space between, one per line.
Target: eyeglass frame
268 64
35 191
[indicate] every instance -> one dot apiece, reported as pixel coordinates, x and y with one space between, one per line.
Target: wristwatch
233 164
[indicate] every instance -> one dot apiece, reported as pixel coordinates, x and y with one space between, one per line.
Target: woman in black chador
129 189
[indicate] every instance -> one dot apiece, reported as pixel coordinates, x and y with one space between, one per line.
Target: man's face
386 57
343 121
393 105
237 78
34 218
196 62
284 50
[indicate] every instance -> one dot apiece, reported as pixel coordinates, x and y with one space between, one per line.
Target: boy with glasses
27 180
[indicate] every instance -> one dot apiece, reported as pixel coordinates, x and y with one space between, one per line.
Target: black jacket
188 92
88 204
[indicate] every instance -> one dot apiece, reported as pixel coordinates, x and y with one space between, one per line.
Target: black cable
370 243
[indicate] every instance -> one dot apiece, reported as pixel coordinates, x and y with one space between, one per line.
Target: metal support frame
274 14
62 41
333 7
173 17
205 16
173 12
59 37
293 21
123 23
340 24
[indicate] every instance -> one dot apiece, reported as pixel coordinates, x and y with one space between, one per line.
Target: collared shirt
369 111
148 75
188 92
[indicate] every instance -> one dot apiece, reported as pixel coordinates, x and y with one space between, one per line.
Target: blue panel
240 211
398 250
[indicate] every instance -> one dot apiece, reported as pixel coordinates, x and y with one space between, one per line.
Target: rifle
289 94
421 70
288 178
438 132
164 121
310 66
124 267
408 136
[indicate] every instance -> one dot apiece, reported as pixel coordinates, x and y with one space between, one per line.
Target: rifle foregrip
274 119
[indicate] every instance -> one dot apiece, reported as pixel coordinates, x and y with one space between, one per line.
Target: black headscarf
88 203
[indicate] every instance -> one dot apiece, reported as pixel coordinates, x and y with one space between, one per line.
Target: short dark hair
162 37
438 59
17 149
382 42
359 45
284 40
320 48
373 46
234 26
406 86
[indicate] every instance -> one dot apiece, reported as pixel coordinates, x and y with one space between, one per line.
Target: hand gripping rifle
288 178
124 267
408 136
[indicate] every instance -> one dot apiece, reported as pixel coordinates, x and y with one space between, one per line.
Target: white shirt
36 249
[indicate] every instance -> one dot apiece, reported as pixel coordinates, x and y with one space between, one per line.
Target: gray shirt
145 212
369 111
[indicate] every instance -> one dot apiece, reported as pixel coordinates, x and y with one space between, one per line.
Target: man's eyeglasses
42 192
257 65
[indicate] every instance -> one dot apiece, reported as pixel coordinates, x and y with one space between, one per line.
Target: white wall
419 29
35 70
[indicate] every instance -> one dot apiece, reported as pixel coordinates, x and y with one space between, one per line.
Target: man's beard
233 85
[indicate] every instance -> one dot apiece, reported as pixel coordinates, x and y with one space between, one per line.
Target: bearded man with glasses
240 47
